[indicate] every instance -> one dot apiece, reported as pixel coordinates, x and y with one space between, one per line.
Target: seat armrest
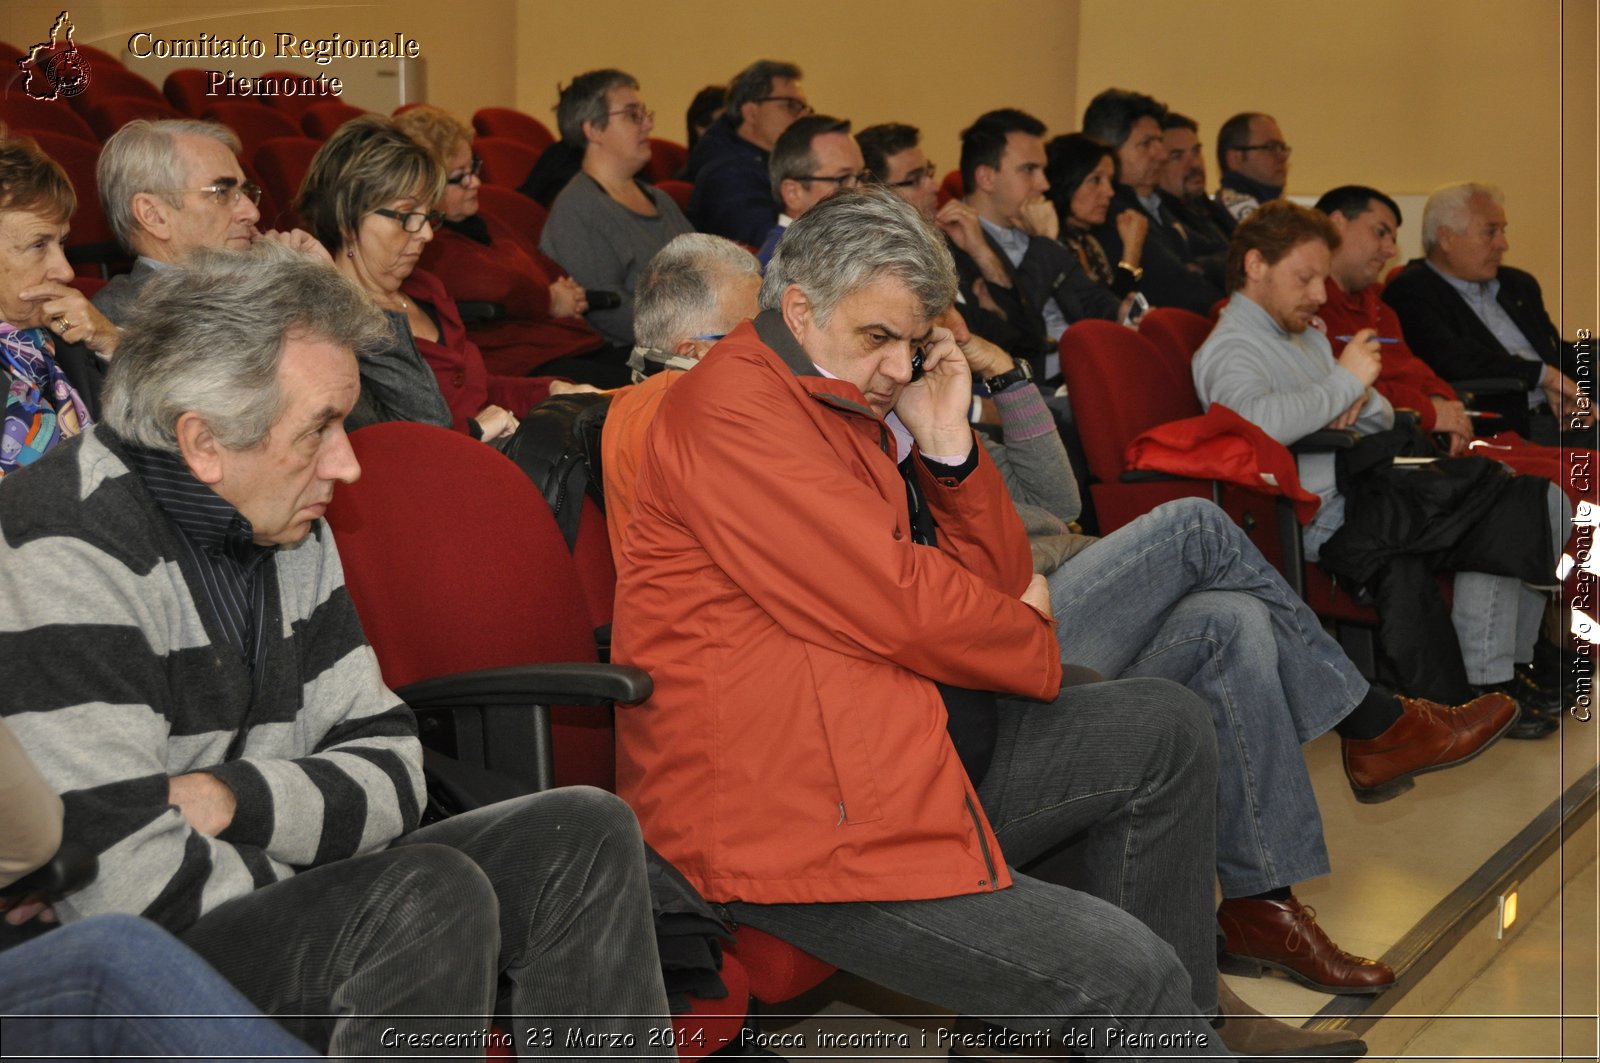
1324 439
580 683
475 312
73 867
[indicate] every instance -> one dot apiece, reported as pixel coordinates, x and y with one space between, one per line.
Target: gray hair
142 156
850 240
588 99
755 81
792 157
678 294
1451 206
208 338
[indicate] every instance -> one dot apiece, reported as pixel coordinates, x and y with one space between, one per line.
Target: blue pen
1380 339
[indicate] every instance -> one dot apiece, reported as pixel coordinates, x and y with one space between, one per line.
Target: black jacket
1174 273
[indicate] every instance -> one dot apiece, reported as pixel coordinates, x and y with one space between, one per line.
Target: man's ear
151 213
200 448
591 132
1255 264
984 177
1339 222
790 191
687 348
796 309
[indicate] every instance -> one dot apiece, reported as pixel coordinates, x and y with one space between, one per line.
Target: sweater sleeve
1232 369
1032 460
359 785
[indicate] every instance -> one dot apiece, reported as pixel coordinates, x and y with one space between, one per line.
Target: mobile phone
1136 309
918 357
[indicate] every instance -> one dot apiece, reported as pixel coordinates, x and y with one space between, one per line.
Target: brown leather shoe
1284 935
1427 737
1251 1035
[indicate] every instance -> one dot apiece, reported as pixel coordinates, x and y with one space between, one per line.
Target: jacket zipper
983 843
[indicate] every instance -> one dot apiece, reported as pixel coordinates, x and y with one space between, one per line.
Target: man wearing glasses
172 188
1254 161
732 195
814 158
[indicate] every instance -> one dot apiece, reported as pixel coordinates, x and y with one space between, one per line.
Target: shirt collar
210 521
1469 289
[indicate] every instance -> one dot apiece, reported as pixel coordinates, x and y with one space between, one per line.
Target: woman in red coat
483 259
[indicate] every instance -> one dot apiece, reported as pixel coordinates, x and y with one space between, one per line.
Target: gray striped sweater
115 677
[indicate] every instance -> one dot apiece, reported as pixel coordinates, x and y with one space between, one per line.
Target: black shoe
1530 692
1530 723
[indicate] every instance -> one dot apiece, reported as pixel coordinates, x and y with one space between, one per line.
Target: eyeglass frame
923 173
431 217
798 107
234 190
474 169
1275 147
860 177
644 114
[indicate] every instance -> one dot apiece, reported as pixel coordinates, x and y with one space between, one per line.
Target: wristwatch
1000 381
1136 271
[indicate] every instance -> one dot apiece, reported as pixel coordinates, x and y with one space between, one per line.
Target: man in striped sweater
181 660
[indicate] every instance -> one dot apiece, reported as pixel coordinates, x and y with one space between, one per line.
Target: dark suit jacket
84 371
1444 332
1168 279
1048 270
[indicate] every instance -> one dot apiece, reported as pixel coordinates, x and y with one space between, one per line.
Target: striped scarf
42 408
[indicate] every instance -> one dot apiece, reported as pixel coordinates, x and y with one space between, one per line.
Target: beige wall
936 64
1405 95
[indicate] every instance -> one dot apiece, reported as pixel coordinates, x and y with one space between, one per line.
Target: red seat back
679 191
282 163
106 116
514 124
107 81
91 241
455 563
186 90
1176 331
506 162
952 187
23 114
511 208
320 120
667 159
254 124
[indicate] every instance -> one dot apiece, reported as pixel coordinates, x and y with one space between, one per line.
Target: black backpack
558 447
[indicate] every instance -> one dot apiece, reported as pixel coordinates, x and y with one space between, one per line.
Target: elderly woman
606 224
1082 173
369 197
52 341
482 259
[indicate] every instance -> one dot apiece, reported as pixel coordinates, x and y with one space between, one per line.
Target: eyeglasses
227 192
796 105
1272 147
412 220
848 180
474 168
914 178
637 113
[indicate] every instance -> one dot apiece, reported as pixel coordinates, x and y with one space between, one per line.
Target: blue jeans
106 987
1181 594
1128 947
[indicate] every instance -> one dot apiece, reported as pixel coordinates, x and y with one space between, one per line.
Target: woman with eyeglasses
53 342
1082 173
482 259
369 196
606 224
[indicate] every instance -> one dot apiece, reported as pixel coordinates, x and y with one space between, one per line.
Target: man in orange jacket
834 595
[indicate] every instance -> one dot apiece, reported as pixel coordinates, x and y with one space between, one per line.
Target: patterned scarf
41 407
1090 255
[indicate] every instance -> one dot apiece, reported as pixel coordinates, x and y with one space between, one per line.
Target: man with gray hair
1470 316
732 196
196 685
815 157
858 688
694 291
171 188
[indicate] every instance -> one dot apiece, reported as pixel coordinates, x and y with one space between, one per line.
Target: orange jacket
795 748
